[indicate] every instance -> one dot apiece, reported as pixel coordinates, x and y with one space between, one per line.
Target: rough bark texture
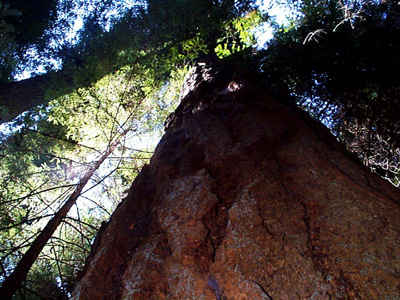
245 198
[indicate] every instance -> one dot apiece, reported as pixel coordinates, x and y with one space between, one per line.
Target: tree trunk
20 96
246 198
14 281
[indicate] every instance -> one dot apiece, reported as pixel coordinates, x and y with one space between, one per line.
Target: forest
279 116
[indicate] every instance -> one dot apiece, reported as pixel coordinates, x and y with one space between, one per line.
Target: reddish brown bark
245 198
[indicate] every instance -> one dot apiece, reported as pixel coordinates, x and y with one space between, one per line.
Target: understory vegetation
110 72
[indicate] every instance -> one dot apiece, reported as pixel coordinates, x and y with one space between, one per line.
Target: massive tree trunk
246 198
20 96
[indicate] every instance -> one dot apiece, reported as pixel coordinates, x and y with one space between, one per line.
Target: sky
144 142
263 34
149 141
278 12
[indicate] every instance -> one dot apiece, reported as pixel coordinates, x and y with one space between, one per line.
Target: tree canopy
124 68
338 60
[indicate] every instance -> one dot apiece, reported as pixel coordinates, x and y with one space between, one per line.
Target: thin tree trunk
246 198
13 282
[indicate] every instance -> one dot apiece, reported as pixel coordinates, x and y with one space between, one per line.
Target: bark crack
306 220
216 221
263 290
210 238
213 285
315 257
264 221
313 237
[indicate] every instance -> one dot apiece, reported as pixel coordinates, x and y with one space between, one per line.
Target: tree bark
246 198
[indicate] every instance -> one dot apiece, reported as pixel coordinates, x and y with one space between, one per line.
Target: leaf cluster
53 147
23 24
238 35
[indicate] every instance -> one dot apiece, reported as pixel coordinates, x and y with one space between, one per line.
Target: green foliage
92 113
54 146
28 19
238 34
128 74
22 25
8 47
337 58
27 167
7 12
162 35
